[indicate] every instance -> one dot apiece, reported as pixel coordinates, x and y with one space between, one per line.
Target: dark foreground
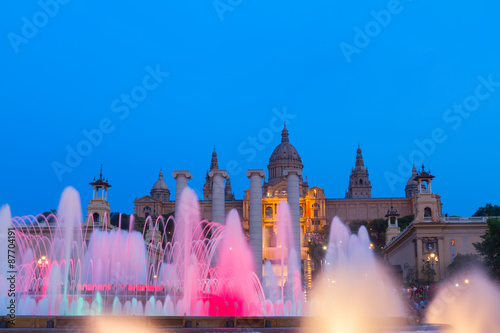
97 324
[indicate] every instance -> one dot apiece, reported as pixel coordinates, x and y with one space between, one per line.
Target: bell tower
392 228
98 209
427 204
360 186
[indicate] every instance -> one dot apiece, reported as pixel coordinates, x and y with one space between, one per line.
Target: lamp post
432 258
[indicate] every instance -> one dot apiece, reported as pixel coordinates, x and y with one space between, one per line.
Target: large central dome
284 157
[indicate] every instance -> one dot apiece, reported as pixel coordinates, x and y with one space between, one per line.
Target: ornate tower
427 204
207 188
392 229
359 185
209 181
98 207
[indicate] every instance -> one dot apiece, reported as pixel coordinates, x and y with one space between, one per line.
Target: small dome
412 180
160 184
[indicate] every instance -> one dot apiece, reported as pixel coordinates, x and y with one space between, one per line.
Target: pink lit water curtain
69 267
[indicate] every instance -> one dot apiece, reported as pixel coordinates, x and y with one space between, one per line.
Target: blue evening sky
408 80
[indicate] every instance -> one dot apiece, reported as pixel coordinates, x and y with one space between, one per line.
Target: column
218 200
420 256
440 268
293 198
181 178
255 217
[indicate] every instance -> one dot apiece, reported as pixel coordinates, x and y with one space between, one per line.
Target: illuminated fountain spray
118 272
470 304
353 288
291 288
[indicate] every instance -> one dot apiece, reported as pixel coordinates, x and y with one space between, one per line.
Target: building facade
315 209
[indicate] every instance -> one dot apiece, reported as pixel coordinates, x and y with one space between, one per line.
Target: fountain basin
195 324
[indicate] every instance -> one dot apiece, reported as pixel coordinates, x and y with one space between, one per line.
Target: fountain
66 267
118 273
353 286
470 303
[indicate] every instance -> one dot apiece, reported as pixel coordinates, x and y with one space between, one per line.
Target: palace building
430 235
315 209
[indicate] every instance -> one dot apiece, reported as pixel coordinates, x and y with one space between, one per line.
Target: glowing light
230 248
155 276
456 285
43 261
466 281
324 247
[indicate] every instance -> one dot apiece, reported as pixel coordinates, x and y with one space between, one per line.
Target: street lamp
433 258
43 261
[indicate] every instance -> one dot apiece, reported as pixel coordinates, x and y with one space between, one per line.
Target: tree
46 214
169 227
405 221
488 210
115 220
489 248
427 272
355 225
376 229
411 273
139 223
464 263
317 252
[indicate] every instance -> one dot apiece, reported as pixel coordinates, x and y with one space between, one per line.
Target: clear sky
148 84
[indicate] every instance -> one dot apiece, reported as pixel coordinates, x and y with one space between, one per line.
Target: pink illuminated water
205 270
291 291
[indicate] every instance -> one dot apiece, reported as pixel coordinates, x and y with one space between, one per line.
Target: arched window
361 182
96 217
427 212
269 212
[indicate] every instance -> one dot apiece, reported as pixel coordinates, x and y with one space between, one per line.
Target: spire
100 175
214 165
160 176
284 134
359 158
228 191
359 182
